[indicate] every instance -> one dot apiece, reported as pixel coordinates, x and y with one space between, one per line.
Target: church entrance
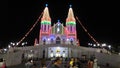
58 41
44 42
57 52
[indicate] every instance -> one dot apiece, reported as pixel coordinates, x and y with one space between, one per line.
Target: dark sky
101 19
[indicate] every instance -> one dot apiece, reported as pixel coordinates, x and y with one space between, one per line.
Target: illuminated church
57 40
58 33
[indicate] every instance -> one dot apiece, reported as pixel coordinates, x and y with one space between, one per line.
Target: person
71 62
29 64
83 61
76 63
44 66
43 62
95 64
92 57
4 64
57 63
90 63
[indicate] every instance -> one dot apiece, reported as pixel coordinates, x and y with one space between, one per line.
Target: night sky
101 19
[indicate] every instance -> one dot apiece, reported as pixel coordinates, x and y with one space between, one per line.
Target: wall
103 58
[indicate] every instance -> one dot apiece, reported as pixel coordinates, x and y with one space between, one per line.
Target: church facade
58 33
58 39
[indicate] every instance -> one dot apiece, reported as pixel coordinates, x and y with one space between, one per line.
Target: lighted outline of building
57 34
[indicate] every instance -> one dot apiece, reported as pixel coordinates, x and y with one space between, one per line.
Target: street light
13 44
98 44
16 43
23 43
94 45
109 46
9 46
103 45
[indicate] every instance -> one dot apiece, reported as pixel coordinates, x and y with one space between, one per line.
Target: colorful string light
30 29
87 31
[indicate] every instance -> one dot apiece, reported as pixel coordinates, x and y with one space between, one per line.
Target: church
58 33
57 40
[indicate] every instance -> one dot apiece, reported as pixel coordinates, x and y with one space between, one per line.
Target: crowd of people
60 62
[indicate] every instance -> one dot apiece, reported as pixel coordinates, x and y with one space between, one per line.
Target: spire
70 17
46 15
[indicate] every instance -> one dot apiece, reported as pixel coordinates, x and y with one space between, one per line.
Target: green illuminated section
45 22
71 23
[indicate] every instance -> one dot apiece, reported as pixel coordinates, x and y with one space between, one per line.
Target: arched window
58 41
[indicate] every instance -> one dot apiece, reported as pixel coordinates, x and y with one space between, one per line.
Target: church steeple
46 15
45 20
70 21
70 18
71 25
45 25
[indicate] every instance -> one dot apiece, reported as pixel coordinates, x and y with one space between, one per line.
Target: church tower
71 26
45 26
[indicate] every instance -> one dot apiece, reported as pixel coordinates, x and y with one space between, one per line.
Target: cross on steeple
46 5
70 6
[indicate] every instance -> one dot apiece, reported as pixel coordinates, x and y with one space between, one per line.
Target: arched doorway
58 40
52 41
71 41
44 42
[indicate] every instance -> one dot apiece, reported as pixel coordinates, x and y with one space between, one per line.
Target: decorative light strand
30 29
87 31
